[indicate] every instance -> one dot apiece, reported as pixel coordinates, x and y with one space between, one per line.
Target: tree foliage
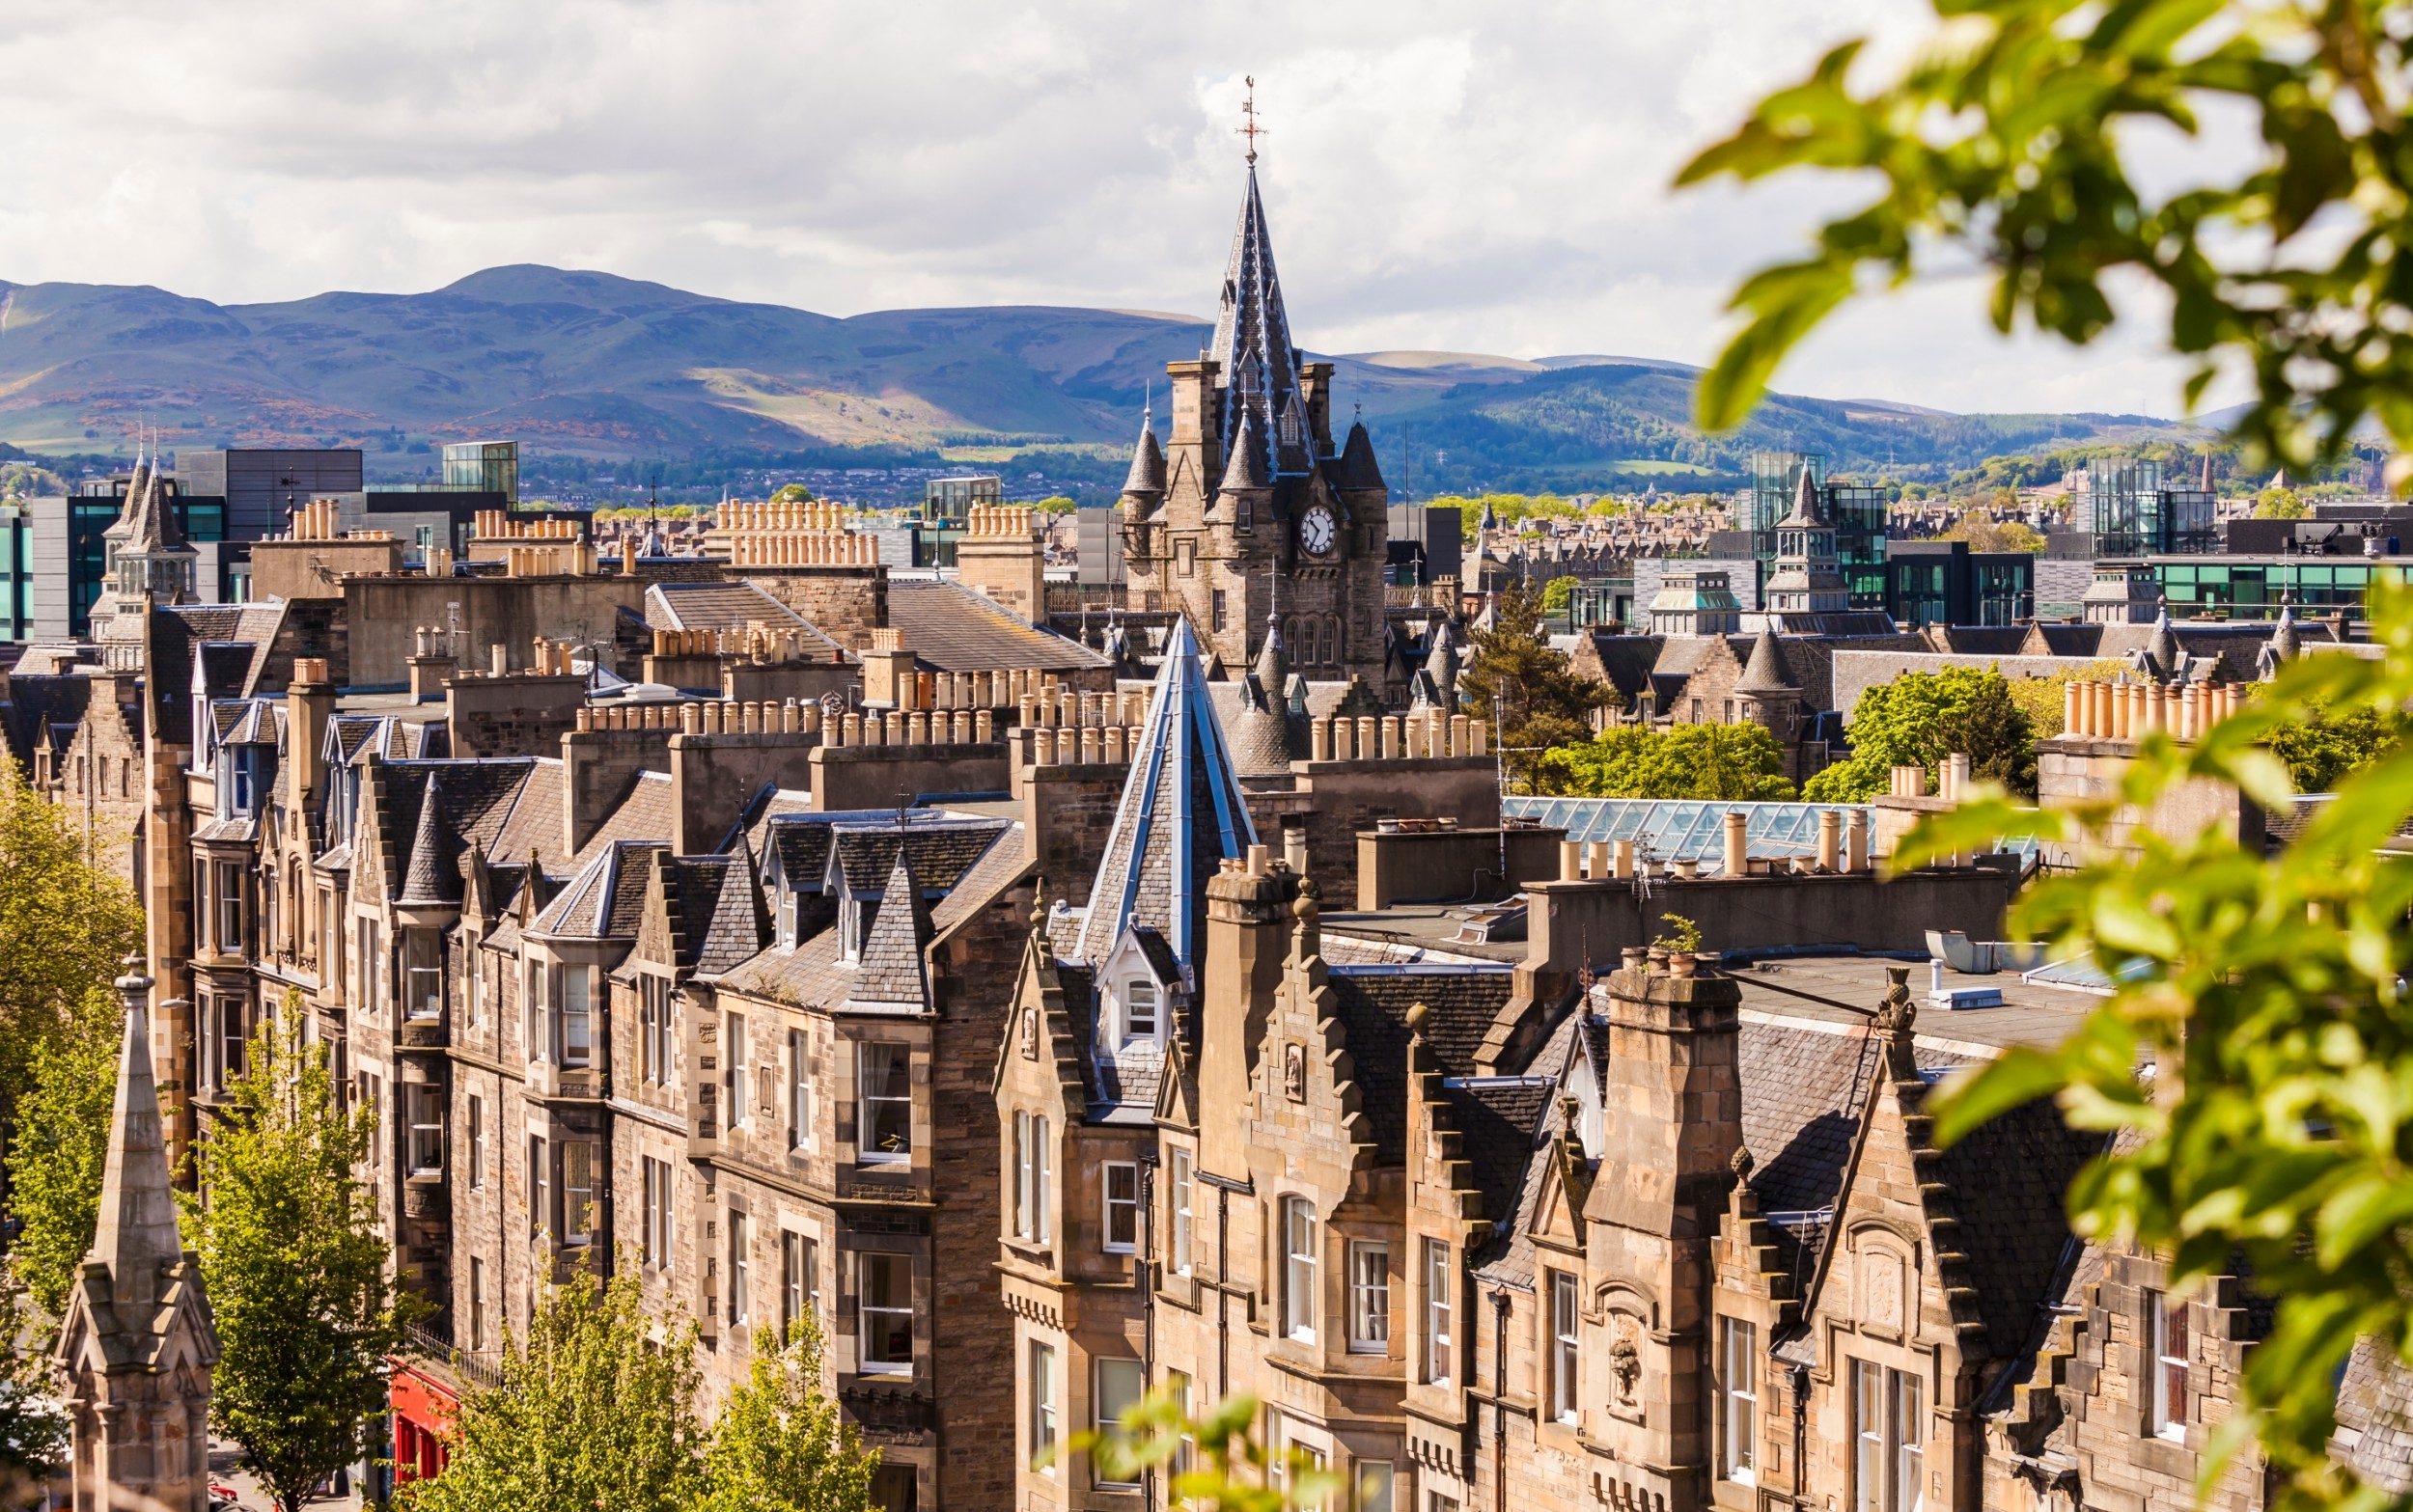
1919 718
1213 1463
297 1277
1541 702
780 1445
33 1422
1718 762
2278 254
2279 503
2041 699
2267 993
1557 596
592 1411
2322 748
65 925
61 1146
1990 534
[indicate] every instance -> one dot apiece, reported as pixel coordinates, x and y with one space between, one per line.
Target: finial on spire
1249 127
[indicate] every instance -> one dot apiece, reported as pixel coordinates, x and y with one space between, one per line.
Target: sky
1463 177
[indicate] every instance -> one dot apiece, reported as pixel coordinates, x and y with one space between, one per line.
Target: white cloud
1439 176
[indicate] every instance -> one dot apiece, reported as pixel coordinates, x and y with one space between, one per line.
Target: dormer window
1139 1009
854 926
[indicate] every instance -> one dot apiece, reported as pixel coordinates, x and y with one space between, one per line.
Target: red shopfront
424 1408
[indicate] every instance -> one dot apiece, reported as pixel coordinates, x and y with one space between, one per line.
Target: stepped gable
715 910
1182 812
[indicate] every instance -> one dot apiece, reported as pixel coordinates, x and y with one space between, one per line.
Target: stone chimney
309 703
432 661
1248 944
1000 556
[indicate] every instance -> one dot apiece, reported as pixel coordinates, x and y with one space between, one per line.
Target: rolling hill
586 364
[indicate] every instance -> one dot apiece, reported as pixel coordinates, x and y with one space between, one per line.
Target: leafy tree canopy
1540 701
1987 534
1729 761
65 925
306 1316
1919 718
2279 503
780 1444
1557 596
62 1143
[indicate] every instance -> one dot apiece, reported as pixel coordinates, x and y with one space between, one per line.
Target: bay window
423 1107
884 1320
1299 1269
1370 1298
1120 1384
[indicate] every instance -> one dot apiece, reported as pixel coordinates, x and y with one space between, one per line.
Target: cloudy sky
1456 176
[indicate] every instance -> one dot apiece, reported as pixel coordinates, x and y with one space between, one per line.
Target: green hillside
589 364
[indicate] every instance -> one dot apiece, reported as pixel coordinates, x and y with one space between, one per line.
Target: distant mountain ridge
595 365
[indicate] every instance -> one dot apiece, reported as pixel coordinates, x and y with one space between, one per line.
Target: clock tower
1247 514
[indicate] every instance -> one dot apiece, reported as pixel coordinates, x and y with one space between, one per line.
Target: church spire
136 1238
1257 376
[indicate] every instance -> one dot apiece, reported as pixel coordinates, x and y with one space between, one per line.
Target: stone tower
137 1344
1249 514
1808 579
148 562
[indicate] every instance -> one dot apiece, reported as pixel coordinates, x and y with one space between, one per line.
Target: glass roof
1682 829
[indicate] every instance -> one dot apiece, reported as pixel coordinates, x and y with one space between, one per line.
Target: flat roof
2031 1013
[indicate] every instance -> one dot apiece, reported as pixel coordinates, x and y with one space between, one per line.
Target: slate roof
1148 463
2009 1179
1256 367
715 912
731 606
2375 1417
951 628
478 797
942 850
606 899
39 703
891 969
1181 815
1373 1002
1500 1122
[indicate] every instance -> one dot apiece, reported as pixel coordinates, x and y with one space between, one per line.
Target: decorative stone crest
1625 1361
1294 1072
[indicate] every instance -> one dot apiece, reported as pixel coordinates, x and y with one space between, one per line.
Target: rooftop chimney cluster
809 515
754 641
804 549
573 557
2131 710
1000 522
1413 737
498 525
320 520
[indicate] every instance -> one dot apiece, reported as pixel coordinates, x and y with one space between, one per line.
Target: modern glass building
483 467
2137 513
2253 587
1856 511
947 502
95 506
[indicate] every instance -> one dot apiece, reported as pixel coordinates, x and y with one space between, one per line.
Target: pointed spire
892 969
1148 461
428 879
2161 648
1246 471
1182 812
1358 467
1808 511
1257 366
2205 484
2284 644
1272 666
1766 671
137 1237
1441 660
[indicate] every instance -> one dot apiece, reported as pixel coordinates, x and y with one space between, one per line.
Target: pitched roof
606 899
1181 813
1358 467
731 606
889 971
1461 1004
951 628
1807 512
2375 1416
715 910
1247 467
943 849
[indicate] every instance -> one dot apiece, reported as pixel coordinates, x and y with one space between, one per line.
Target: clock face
1318 530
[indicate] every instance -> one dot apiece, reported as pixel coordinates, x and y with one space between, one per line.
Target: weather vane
1248 110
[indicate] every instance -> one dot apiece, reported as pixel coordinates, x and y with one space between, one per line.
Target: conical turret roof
1182 812
1358 467
429 878
1246 469
1766 671
1148 463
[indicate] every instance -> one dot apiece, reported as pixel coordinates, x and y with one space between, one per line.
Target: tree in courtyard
65 925
592 1412
1557 596
2324 746
1716 762
1919 718
2041 699
297 1277
2279 503
780 1444
60 1147
2267 993
33 1423
1990 534
1540 701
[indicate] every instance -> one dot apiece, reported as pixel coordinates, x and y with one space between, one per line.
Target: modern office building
483 467
262 487
1943 582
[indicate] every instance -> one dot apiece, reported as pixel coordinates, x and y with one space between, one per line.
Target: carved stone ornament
1030 1033
1626 1363
1294 1072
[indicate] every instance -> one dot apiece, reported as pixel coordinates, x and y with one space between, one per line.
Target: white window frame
799 1280
425 1109
1180 1187
1566 1321
893 1266
800 1090
1041 1429
1119 1209
477 1304
738 1303
1376 1484
1738 1401
1440 1313
1138 1022
477 1143
1104 1417
575 1015
1369 1297
733 1051
1301 1254
868 1101
654 1227
2167 1348
539 1186
578 1184
1042 1194
1889 1461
